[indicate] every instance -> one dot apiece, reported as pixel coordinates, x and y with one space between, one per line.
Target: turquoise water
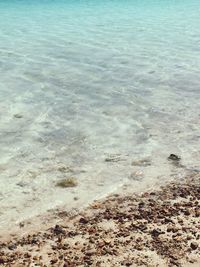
86 88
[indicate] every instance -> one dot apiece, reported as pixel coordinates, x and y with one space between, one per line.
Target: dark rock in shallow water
18 116
174 157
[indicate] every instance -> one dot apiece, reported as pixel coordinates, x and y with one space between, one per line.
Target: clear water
86 87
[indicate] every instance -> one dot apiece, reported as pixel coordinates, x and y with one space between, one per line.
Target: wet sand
154 228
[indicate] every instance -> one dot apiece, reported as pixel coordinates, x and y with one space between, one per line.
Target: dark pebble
83 220
194 245
174 157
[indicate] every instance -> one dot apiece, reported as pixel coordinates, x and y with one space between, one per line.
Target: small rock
156 232
58 230
12 246
113 159
22 184
174 157
21 224
187 212
127 263
189 237
107 241
194 245
18 116
83 220
2 260
54 261
101 244
90 252
174 263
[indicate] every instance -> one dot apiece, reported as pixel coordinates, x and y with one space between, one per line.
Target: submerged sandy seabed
154 228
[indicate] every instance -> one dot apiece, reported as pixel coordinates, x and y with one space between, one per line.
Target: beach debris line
67 182
155 228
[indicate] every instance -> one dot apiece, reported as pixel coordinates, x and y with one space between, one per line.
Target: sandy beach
154 228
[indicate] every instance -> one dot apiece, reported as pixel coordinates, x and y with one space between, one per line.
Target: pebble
58 230
83 220
194 245
174 157
90 252
18 116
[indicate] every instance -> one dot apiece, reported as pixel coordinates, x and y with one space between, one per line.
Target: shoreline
154 228
73 200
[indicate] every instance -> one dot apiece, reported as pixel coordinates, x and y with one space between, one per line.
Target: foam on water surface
89 87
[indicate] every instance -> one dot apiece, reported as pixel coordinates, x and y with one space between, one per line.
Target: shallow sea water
89 87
